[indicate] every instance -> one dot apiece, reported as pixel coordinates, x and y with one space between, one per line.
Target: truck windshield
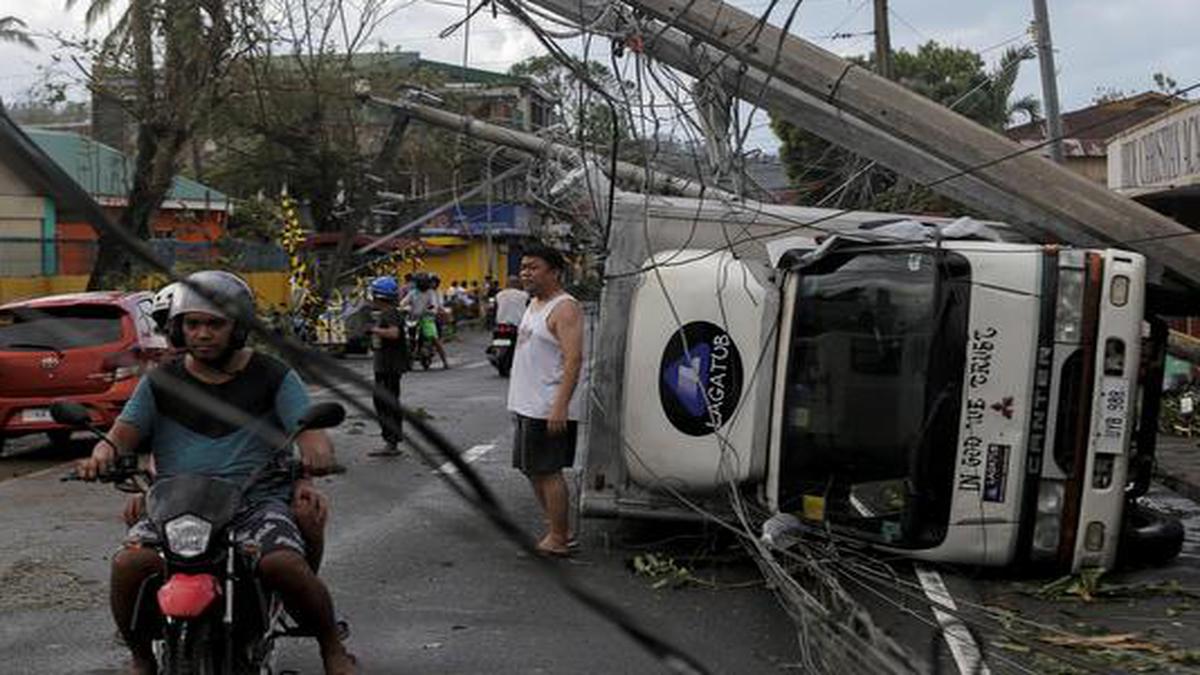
873 393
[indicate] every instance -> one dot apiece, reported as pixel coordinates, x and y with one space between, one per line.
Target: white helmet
160 308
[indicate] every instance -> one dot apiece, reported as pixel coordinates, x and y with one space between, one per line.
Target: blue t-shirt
187 432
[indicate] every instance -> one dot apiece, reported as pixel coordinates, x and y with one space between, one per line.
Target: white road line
469 456
473 364
962 645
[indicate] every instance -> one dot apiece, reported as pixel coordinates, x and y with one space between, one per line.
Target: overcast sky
1099 43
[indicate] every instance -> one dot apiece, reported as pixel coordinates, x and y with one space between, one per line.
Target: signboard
1162 154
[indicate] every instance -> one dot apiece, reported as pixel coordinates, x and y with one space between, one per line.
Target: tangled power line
819 579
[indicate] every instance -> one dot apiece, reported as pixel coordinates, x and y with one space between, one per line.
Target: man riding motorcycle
425 303
178 408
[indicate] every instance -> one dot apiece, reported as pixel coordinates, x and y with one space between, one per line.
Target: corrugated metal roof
1094 125
106 173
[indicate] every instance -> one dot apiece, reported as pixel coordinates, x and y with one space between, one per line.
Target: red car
86 347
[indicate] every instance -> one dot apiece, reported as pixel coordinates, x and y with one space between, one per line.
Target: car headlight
1048 528
1068 321
187 536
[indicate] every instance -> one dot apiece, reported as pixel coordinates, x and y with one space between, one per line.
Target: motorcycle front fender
187 596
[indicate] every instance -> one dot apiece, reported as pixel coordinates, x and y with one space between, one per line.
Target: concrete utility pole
1054 131
541 147
883 40
1081 209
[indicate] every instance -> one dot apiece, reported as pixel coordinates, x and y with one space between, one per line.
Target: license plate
31 415
1114 414
502 343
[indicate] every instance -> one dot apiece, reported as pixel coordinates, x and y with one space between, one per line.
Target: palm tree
12 29
999 109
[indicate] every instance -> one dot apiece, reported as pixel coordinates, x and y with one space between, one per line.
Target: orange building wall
76 242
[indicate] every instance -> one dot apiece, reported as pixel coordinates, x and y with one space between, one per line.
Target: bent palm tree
12 29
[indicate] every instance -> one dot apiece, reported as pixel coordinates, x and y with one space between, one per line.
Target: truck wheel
1149 536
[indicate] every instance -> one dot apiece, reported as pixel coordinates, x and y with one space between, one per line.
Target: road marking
473 364
962 644
469 456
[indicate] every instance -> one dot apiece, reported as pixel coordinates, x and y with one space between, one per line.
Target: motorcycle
210 613
420 348
500 351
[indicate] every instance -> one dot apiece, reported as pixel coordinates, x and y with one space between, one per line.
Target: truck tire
1149 536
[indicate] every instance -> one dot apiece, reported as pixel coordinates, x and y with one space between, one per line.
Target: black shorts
536 451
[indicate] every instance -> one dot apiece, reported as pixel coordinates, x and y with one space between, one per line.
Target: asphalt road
426 583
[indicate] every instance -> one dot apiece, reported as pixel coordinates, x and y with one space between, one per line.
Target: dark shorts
536 451
262 529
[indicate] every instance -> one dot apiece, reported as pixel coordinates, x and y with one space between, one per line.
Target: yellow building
462 259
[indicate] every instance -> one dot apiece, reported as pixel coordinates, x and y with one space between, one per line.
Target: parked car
86 347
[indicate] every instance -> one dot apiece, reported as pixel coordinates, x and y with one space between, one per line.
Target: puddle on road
34 583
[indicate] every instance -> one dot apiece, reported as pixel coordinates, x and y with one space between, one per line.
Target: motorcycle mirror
70 413
322 416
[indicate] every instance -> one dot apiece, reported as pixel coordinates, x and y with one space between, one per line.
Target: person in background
543 394
424 303
511 302
477 298
390 349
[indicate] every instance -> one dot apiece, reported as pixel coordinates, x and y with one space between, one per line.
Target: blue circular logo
700 378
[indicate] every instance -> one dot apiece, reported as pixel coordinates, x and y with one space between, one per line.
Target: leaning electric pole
883 40
1041 25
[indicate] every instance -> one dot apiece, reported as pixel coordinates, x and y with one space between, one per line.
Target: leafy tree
584 111
12 29
955 77
173 54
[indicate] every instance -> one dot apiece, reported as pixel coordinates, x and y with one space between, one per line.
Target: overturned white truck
969 399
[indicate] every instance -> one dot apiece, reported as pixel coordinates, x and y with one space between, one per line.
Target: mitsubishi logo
50 362
1004 407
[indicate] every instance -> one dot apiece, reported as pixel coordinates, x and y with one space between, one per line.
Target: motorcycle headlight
1048 528
187 536
1068 320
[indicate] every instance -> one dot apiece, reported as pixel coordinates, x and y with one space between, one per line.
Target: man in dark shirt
391 360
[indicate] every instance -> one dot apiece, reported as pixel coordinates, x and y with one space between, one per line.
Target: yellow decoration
814 508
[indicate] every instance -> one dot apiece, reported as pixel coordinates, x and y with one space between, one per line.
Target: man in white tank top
543 393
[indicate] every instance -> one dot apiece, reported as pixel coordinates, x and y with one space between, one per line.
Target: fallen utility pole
650 180
817 116
1074 209
440 209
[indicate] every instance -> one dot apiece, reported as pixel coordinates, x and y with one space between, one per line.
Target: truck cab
961 401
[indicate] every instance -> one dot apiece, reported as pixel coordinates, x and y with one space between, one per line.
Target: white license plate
502 343
1114 415
31 415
